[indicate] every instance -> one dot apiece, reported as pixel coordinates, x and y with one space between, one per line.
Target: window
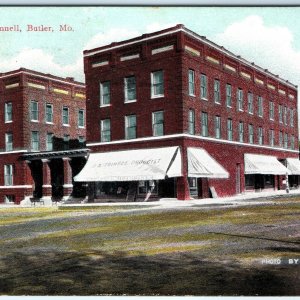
65 116
81 118
285 116
228 95
229 130
217 96
157 84
49 113
241 132
280 113
35 141
260 136
191 82
130 127
271 137
66 141
105 130
34 111
193 186
285 145
271 110
204 124
158 123
280 139
49 142
260 106
8 174
218 127
291 117
240 99
251 134
105 93
203 87
8 112
250 103
191 121
145 187
9 199
8 141
130 89
292 142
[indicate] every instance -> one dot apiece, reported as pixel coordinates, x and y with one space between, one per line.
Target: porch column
68 186
28 180
47 187
183 191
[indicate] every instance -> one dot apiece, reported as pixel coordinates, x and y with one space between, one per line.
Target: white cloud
39 60
158 26
270 47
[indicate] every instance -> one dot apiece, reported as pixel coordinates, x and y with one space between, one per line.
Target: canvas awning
293 164
201 164
264 164
132 165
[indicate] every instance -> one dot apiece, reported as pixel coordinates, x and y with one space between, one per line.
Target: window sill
250 113
34 121
80 127
50 123
7 122
205 99
157 96
66 125
192 95
228 106
130 101
105 105
218 103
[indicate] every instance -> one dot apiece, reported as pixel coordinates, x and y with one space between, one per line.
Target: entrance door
238 178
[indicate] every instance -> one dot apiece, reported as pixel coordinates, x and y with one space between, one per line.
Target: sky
267 36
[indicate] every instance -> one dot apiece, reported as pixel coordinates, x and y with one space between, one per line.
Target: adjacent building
42 135
172 114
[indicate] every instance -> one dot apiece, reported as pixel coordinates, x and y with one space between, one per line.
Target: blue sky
269 36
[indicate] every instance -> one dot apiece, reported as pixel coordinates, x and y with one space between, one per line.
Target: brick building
221 124
42 135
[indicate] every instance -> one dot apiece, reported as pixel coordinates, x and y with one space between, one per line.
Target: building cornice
184 135
181 28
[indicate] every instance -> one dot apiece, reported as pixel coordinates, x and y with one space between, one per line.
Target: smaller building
42 135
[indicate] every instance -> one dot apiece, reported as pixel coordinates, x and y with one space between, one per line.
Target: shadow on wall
99 273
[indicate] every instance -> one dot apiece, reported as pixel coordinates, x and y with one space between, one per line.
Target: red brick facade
19 89
175 51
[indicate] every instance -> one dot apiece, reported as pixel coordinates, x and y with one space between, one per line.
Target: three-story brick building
172 114
42 135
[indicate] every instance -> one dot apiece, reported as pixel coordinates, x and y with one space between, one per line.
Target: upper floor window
292 117
260 136
158 123
285 116
8 141
240 104
8 112
271 137
204 124
292 142
81 118
217 95
65 115
228 95
49 142
191 82
241 132
285 142
105 130
280 113
191 121
229 130
81 140
203 86
280 139
66 141
130 89
250 103
157 84
49 113
271 110
260 106
251 134
105 93
35 141
130 127
8 174
34 111
218 127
